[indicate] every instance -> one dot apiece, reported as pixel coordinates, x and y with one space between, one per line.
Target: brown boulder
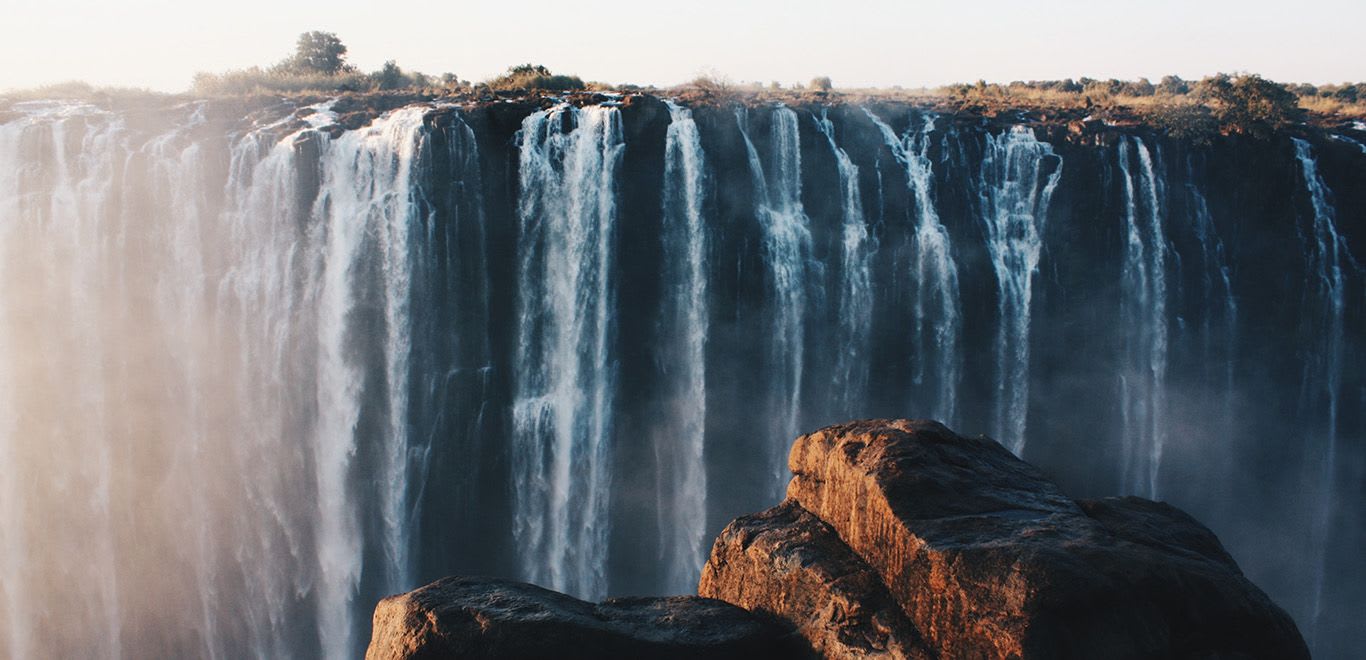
988 559
788 563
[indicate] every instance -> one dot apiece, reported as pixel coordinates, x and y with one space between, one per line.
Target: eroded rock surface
786 562
464 617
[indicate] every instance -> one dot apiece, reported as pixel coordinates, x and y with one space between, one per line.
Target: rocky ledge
462 617
898 539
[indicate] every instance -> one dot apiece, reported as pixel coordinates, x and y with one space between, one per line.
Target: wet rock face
462 617
985 557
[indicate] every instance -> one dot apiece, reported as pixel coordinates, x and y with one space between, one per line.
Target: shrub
534 77
1185 121
258 81
1249 103
1172 86
821 84
1140 87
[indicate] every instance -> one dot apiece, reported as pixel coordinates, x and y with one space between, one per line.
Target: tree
821 84
1249 104
390 76
1172 86
318 53
1140 87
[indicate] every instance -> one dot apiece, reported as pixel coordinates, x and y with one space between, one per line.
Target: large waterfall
261 365
562 414
1015 190
937 357
786 254
1143 302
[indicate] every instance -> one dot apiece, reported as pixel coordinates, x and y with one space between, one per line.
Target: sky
160 44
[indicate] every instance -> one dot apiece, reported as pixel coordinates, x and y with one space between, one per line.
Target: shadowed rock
463 617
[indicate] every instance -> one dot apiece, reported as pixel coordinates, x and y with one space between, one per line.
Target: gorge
273 361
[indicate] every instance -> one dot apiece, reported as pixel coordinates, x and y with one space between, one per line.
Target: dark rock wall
1244 418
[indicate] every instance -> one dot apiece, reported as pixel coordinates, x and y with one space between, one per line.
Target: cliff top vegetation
1242 103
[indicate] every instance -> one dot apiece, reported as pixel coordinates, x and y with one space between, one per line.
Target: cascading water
856 287
238 324
1015 190
565 380
1327 261
679 440
255 375
1344 138
1143 314
1218 327
938 313
936 302
787 253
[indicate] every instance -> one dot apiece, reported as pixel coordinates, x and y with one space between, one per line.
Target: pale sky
160 44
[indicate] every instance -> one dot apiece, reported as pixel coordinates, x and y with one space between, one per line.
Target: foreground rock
898 539
788 563
464 617
988 559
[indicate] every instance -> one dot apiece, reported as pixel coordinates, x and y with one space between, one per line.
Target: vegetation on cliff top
1241 103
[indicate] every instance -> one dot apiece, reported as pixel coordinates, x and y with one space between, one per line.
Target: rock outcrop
988 559
788 563
898 539
463 617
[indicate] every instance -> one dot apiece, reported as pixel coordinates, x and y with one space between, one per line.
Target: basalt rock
988 559
471 618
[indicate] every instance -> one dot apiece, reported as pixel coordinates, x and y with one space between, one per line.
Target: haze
160 44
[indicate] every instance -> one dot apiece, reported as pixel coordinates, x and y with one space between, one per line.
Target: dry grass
1333 107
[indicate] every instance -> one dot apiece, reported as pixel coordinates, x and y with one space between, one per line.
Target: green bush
1249 104
317 53
534 77
1172 86
1140 87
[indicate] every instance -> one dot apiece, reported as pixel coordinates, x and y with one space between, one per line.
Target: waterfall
1015 192
258 370
564 372
1143 316
679 438
1355 143
1219 323
850 379
364 212
787 252
1327 261
59 164
938 317
210 343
